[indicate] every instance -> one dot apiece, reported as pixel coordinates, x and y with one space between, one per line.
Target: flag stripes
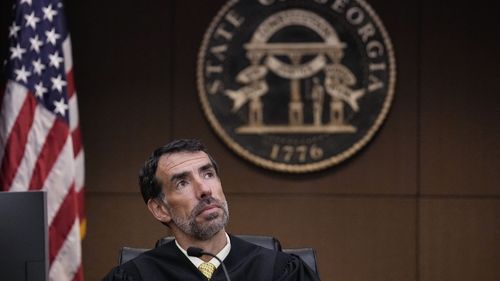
40 138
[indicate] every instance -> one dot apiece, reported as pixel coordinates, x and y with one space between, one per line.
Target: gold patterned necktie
207 269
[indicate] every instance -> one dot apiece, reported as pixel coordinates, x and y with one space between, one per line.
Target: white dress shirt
221 255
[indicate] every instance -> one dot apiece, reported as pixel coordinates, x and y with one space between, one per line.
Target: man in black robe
182 189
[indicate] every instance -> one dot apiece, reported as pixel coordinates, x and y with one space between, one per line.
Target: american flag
40 144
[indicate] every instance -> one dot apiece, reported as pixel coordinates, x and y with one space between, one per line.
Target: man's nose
203 188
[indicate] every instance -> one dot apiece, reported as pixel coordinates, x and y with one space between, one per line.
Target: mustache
205 202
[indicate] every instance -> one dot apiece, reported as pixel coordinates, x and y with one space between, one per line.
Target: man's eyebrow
177 176
182 175
208 166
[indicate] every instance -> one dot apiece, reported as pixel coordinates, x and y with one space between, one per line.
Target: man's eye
209 174
181 184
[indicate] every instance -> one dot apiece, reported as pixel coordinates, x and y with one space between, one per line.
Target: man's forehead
171 163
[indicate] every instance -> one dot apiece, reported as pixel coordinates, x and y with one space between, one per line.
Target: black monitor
23 236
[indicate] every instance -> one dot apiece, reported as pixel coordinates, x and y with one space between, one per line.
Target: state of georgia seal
296 85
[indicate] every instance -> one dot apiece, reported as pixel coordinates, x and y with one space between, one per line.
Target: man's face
194 200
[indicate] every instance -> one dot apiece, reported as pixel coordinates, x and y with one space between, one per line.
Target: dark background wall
420 203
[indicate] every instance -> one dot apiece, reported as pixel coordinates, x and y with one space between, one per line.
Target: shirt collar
221 255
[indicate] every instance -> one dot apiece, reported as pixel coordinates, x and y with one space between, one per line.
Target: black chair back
308 255
268 242
128 253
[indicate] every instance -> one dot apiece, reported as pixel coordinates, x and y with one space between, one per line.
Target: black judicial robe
245 261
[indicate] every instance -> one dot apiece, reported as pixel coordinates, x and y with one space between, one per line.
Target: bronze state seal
296 85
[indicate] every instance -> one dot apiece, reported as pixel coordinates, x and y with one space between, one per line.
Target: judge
181 186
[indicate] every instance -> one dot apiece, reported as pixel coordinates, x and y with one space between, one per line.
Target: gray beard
206 230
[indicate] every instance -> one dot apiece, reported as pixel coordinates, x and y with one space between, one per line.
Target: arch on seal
282 19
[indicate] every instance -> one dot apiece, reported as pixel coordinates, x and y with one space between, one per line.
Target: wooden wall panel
190 24
460 239
460 113
122 69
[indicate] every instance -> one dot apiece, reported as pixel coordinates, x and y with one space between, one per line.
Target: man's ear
159 211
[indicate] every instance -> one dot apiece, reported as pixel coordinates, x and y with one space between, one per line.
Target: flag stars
58 83
17 52
40 90
13 29
22 74
38 66
48 13
55 59
35 44
34 60
52 36
60 107
31 20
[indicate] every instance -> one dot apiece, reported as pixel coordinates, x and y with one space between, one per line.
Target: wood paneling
122 57
460 239
460 113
